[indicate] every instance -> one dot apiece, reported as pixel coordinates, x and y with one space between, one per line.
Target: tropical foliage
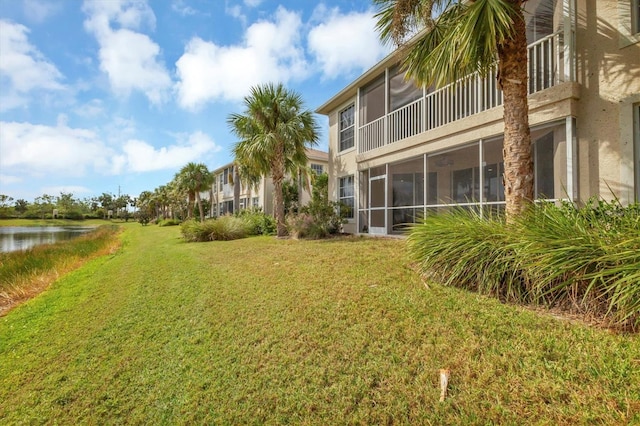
321 217
468 37
274 132
243 224
192 179
584 259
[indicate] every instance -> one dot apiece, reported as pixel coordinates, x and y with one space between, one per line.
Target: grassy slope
268 331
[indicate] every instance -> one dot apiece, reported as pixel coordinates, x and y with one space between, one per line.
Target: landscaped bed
262 330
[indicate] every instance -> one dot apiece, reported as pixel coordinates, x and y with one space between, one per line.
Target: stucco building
398 151
229 195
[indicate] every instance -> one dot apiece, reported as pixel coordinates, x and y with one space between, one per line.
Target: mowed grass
267 331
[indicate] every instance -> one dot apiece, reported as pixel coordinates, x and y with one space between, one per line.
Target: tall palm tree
468 37
274 132
194 178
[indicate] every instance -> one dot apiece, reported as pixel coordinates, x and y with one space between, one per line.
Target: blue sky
101 94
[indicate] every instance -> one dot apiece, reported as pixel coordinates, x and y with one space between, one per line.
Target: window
255 201
347 125
346 195
317 168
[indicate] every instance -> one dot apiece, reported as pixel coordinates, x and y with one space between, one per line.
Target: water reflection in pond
14 238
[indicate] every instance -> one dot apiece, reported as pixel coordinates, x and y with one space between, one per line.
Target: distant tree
121 204
44 204
274 133
193 179
65 203
21 206
107 202
5 205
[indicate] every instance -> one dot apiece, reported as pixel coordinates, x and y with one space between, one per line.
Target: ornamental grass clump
465 250
584 260
223 228
587 259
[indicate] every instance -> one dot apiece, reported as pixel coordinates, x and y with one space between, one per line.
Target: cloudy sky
98 95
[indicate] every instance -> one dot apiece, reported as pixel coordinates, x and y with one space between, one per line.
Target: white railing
372 135
406 121
468 96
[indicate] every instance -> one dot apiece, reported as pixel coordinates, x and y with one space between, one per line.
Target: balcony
550 63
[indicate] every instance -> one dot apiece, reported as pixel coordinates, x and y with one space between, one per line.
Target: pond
14 238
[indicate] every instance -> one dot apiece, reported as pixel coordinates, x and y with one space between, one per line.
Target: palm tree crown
192 179
274 132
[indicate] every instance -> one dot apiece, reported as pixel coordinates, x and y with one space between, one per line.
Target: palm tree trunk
199 201
518 164
278 177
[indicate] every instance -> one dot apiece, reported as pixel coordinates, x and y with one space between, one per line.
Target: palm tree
468 37
274 133
192 179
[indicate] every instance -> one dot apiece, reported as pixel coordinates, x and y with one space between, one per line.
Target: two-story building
398 151
228 194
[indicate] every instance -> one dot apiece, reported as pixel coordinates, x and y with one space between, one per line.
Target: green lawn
273 331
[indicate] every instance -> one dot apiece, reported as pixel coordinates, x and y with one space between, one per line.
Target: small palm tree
468 37
274 132
192 179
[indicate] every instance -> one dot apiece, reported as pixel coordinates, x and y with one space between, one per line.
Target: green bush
222 229
258 223
74 215
585 259
321 217
169 222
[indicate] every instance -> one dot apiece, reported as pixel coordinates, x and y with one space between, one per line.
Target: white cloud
252 3
270 52
9 179
67 189
93 108
41 150
130 59
39 10
23 68
345 43
181 8
140 156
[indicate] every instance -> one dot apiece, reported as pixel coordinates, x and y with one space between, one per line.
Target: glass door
378 205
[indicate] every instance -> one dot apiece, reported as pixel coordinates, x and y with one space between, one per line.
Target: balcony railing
468 96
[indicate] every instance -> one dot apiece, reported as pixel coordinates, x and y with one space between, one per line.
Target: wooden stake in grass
444 382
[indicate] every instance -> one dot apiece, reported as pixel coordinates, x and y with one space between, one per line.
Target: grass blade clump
24 274
463 249
221 229
585 260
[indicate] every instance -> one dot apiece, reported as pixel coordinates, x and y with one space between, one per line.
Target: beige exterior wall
600 101
609 76
264 191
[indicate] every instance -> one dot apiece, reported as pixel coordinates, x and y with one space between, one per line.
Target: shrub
223 228
258 223
74 215
585 259
169 222
321 217
228 228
